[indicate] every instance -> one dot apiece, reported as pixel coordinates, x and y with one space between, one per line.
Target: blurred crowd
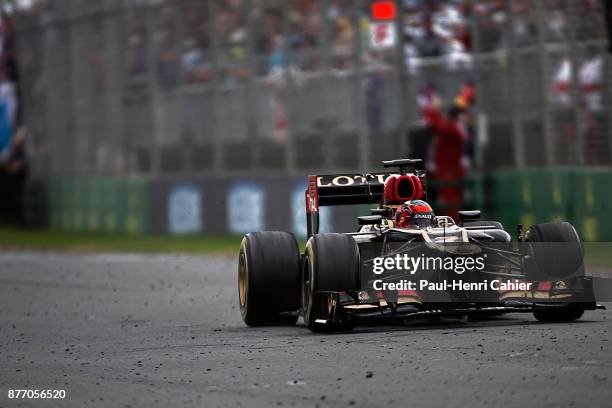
194 41
227 41
167 43
13 165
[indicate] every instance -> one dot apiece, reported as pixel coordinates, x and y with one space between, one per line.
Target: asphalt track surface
147 331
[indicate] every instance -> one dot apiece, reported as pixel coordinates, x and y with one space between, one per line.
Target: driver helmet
414 214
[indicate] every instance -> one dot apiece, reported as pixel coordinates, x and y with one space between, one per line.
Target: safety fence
172 87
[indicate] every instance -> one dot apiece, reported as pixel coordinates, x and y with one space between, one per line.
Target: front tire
269 278
331 264
556 252
552 315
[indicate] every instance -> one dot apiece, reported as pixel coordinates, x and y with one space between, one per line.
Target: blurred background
193 117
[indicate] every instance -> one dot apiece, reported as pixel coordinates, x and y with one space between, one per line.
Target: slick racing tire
566 314
556 252
331 263
269 278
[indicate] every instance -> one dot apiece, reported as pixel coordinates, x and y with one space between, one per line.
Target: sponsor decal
246 208
383 35
344 180
185 209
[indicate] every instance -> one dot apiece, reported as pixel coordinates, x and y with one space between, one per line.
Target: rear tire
331 263
568 314
269 278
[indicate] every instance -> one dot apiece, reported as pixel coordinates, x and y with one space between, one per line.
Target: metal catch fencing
182 86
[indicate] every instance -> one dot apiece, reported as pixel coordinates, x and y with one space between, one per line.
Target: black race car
390 269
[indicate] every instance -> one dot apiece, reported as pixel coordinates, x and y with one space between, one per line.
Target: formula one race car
404 262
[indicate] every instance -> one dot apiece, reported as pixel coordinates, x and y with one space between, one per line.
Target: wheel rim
307 286
242 279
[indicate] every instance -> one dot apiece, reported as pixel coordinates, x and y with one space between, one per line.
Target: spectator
491 18
343 42
464 101
430 44
277 56
590 80
458 56
194 63
419 136
556 21
8 105
522 23
374 101
412 30
167 58
136 53
448 167
13 173
7 47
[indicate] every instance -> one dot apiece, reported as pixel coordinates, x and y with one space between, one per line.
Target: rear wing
353 189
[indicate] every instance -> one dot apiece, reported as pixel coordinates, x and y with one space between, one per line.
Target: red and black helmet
414 214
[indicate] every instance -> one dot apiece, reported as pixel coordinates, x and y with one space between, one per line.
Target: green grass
97 242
